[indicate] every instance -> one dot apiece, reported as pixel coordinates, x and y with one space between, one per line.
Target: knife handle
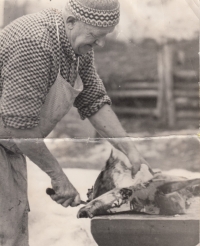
50 192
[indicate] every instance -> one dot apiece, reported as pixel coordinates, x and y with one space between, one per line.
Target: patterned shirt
30 55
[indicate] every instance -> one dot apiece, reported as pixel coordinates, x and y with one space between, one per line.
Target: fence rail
184 92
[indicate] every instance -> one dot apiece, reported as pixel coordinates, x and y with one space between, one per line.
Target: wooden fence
182 96
176 93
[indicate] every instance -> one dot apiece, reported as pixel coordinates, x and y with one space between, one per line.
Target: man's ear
70 22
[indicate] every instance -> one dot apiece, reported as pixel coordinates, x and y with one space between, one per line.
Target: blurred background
149 65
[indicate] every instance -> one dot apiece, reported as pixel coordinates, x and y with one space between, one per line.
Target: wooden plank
191 114
161 101
140 111
140 85
188 93
169 83
186 86
186 75
132 93
188 123
185 102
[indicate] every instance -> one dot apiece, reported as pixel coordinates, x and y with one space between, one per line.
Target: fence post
169 82
165 105
161 103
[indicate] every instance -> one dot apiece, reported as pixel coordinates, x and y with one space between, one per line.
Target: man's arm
108 126
31 144
23 94
93 103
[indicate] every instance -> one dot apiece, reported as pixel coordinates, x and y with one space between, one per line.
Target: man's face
84 37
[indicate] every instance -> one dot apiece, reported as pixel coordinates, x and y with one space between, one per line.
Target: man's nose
100 42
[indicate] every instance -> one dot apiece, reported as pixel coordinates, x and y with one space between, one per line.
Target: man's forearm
31 144
108 126
37 152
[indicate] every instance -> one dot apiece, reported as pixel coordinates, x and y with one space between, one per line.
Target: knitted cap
100 13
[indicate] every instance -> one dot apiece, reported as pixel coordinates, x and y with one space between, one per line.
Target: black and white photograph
99 123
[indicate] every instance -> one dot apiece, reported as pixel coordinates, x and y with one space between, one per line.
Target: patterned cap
95 17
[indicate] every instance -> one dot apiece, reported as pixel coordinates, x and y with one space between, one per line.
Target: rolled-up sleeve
25 79
94 96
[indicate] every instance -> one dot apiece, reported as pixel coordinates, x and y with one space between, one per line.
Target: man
46 65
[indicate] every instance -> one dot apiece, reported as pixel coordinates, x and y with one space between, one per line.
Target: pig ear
111 154
111 158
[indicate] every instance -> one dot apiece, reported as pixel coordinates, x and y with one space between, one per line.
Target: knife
51 192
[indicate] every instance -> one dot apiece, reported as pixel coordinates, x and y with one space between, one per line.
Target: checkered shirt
29 64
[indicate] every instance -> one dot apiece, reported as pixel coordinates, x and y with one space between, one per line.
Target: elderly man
46 66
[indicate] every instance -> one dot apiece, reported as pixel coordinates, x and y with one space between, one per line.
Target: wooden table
146 230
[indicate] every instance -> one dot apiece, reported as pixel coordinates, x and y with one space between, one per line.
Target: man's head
88 22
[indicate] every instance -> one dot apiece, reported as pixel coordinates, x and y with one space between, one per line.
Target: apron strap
57 31
58 36
77 65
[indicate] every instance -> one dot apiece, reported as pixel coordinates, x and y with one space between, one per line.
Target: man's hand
31 144
135 162
65 193
108 126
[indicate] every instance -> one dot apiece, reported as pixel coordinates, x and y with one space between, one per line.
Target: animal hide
117 190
